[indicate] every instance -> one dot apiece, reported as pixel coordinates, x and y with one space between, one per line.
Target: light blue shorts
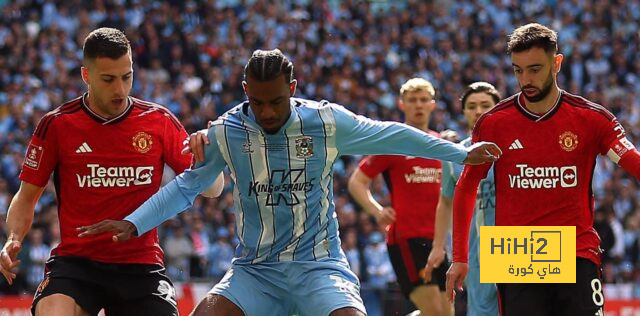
482 298
285 288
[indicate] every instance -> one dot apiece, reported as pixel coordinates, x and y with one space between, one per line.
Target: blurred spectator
177 251
220 254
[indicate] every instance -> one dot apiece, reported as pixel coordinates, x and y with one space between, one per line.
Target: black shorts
585 297
121 289
408 257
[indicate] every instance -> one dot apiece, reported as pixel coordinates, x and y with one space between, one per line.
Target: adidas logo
516 145
84 148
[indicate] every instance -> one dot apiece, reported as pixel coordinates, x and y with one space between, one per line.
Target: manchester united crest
568 141
304 147
142 142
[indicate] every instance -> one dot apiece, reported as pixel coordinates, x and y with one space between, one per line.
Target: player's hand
436 256
482 152
386 217
122 229
195 144
455 278
450 135
8 260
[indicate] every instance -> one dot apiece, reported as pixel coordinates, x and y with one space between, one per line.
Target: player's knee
347 311
218 304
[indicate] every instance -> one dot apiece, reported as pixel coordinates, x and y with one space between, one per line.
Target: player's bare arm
443 222
482 152
19 219
359 188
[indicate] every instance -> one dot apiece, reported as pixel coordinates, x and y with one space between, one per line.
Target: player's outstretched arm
482 152
359 188
19 219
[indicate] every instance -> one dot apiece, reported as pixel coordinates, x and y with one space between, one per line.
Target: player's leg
526 299
257 289
347 311
428 300
482 298
324 288
586 296
58 305
68 289
216 303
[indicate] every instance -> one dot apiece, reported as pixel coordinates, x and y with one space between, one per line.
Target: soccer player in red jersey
107 151
550 140
415 187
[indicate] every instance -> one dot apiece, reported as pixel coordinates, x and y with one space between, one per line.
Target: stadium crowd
189 57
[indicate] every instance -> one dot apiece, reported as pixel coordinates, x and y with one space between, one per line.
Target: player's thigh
586 296
254 289
321 288
62 296
530 299
214 304
347 311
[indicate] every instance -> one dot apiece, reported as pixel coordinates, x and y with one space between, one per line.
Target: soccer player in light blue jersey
482 300
280 151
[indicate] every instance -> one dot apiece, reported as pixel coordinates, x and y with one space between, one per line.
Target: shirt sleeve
371 166
180 193
448 179
41 157
358 135
174 141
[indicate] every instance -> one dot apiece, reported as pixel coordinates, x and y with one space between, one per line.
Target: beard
543 93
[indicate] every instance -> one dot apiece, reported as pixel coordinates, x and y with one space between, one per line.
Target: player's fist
122 230
8 260
482 152
455 278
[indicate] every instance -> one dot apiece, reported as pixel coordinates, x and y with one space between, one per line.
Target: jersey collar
102 120
535 116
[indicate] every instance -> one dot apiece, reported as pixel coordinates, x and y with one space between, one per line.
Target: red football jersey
544 174
104 169
414 184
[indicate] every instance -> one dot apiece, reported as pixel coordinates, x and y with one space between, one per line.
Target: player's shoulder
154 111
47 120
586 107
503 108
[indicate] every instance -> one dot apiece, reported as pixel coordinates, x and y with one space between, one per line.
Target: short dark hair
265 65
533 35
480 87
105 42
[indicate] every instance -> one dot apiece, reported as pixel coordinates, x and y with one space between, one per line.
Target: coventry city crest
304 147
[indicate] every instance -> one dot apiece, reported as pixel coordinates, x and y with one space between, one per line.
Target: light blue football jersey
283 191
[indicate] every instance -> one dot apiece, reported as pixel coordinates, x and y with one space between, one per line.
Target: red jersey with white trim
414 184
104 169
544 174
